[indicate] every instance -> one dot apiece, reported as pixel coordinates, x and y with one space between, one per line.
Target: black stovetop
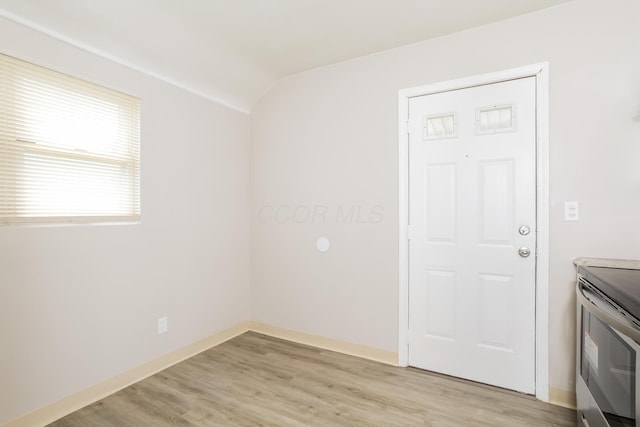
620 284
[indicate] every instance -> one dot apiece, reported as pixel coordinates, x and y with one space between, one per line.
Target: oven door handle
613 321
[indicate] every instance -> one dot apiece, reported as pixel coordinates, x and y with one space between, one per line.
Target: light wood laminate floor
255 380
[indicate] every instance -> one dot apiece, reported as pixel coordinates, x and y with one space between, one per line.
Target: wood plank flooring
255 380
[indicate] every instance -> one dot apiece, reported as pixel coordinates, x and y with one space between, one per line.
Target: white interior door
472 198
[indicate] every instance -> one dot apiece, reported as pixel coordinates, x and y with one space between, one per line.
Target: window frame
117 164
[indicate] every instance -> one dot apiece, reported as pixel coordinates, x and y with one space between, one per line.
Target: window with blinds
69 149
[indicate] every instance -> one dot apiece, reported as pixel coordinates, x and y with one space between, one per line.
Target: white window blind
69 149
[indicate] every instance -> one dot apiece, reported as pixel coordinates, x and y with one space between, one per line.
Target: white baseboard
363 351
560 397
69 404
59 409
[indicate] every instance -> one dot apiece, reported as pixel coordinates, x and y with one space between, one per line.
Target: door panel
440 303
471 186
440 201
496 311
495 182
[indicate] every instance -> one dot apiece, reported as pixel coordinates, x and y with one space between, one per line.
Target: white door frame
541 72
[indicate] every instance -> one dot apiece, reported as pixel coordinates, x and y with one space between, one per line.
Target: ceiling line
90 49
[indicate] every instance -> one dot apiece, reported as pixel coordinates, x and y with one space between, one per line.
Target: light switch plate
163 325
571 211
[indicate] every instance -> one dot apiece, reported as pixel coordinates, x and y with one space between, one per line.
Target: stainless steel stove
608 353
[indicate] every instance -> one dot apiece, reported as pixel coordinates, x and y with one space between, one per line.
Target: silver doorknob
524 230
524 252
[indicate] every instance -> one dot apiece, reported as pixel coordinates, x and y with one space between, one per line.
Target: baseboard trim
564 398
69 404
362 351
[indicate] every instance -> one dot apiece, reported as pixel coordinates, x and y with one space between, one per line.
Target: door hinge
409 232
407 124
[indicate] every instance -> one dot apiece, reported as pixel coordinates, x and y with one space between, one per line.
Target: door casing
541 72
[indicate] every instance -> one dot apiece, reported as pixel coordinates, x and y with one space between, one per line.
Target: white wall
78 304
327 139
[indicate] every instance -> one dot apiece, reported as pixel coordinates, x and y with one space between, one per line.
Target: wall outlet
163 325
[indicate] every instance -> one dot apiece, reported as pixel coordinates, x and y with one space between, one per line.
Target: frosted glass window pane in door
440 126
496 119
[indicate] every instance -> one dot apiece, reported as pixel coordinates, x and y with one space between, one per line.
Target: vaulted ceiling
233 51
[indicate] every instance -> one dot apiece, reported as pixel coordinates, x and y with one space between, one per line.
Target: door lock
524 230
524 252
